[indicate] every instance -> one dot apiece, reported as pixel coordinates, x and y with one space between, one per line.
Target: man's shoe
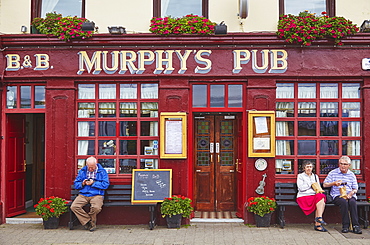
345 230
93 227
87 226
357 229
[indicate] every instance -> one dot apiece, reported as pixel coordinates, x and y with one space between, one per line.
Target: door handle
237 165
231 171
198 170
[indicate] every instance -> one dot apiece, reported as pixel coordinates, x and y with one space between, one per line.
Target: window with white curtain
64 7
319 122
118 124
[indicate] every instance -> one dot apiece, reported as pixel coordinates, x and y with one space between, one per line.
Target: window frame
330 7
18 108
157 8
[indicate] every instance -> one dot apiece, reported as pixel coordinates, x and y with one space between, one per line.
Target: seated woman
307 198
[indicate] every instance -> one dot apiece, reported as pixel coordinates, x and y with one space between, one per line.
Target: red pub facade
104 96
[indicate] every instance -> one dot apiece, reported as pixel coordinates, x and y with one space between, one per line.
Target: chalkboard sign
151 185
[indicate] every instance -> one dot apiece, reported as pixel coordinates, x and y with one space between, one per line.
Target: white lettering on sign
15 62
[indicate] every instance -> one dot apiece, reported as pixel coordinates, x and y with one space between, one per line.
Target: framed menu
261 134
173 139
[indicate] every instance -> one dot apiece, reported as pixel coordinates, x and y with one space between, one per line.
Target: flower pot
263 221
174 221
51 223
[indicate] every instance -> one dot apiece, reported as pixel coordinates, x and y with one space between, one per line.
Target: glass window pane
39 96
25 96
306 90
107 128
285 90
235 95
200 96
147 147
307 109
149 109
328 90
107 147
128 147
284 147
149 163
217 95
128 109
86 110
127 165
328 109
284 109
351 147
64 7
86 91
356 166
109 165
86 147
86 129
11 97
107 109
128 128
179 8
351 109
307 147
351 129
329 147
329 128
350 90
297 6
284 166
327 165
307 128
284 128
149 128
107 91
149 91
128 91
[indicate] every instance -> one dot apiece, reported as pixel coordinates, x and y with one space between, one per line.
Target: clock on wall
260 164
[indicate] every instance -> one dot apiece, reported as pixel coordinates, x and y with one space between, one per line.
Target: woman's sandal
320 220
316 227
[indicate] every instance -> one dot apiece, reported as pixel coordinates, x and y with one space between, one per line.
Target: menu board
173 135
261 134
151 185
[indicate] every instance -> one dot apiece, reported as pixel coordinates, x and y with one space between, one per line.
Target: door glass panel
235 95
39 96
200 96
11 97
217 95
203 142
329 147
226 143
306 128
329 128
306 147
25 96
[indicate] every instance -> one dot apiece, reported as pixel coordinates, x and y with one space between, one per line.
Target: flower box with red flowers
261 205
51 207
176 204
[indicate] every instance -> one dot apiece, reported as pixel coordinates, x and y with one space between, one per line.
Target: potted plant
307 27
174 208
262 207
50 209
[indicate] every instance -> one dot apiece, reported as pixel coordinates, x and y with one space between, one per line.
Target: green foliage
307 27
65 28
261 205
190 24
176 204
51 207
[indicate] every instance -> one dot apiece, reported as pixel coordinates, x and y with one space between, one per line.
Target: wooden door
15 165
214 159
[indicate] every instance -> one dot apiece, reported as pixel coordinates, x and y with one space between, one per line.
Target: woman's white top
304 183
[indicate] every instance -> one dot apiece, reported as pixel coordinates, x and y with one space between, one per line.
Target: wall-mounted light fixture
221 29
365 26
116 30
88 26
24 29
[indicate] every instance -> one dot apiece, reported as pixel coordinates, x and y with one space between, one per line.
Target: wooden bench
285 195
115 195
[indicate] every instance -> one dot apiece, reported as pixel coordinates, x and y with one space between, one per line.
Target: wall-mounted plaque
261 134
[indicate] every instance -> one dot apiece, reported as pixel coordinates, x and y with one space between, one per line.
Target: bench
115 195
285 195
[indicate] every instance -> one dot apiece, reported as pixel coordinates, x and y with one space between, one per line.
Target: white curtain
128 108
164 5
128 91
285 90
83 130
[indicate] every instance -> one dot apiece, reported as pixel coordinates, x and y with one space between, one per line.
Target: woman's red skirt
308 203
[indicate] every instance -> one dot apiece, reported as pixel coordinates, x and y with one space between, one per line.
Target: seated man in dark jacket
91 180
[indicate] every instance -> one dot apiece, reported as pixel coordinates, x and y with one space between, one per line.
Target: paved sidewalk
196 233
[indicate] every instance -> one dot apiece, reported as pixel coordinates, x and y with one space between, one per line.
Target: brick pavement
196 233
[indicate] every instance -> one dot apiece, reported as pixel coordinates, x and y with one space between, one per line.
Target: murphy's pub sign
159 61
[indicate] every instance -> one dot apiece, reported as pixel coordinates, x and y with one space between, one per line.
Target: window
317 121
179 8
313 6
118 124
25 97
64 7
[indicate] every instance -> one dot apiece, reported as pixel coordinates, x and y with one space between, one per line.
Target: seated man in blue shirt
91 180
342 176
